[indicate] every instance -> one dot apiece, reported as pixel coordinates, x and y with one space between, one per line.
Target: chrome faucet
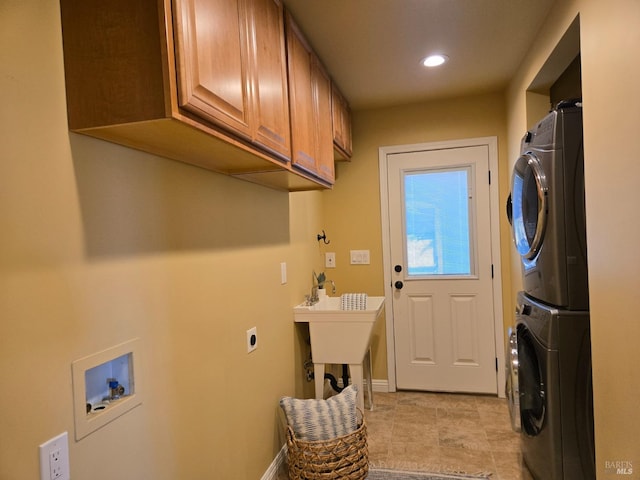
318 282
313 298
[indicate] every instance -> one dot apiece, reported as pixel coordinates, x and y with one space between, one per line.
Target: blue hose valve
113 387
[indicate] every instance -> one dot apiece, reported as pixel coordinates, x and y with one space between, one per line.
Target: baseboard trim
272 471
376 385
380 385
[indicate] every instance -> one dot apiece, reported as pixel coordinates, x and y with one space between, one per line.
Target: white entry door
441 260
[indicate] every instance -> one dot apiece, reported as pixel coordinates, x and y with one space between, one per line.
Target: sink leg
318 374
368 380
356 379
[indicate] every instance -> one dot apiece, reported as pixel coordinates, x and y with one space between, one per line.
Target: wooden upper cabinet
212 53
341 117
310 104
324 131
232 67
300 99
203 82
269 76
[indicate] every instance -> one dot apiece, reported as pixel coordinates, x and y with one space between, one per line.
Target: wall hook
323 237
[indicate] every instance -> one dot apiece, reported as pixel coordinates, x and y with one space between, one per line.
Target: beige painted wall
609 46
610 79
101 244
352 209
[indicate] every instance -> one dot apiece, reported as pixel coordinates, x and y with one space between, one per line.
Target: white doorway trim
492 145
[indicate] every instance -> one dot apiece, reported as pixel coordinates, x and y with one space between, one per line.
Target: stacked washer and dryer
549 382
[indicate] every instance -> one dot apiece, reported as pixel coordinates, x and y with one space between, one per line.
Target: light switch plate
360 257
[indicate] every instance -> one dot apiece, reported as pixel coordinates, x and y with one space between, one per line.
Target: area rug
383 474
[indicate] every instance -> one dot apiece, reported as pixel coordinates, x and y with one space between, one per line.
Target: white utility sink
339 337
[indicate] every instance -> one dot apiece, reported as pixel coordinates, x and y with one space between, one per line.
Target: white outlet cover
54 458
330 260
252 339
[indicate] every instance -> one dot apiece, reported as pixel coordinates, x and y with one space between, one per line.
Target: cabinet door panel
301 101
324 127
269 73
211 50
341 115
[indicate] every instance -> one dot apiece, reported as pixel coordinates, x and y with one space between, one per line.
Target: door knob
399 285
398 268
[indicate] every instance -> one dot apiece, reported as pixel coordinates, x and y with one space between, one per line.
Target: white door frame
383 152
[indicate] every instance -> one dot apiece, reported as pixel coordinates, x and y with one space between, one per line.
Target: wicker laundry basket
345 457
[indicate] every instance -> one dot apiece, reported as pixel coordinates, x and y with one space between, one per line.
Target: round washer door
531 384
529 205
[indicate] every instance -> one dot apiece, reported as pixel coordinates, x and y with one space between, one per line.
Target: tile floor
446 433
441 432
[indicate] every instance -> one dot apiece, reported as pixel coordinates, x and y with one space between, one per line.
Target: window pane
437 222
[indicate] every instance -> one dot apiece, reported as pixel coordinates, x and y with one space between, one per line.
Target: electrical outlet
330 260
54 458
308 370
252 339
55 465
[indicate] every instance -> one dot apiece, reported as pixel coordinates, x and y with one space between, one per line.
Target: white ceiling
373 48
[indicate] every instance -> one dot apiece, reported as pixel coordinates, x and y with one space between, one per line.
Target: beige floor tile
451 433
414 414
420 456
446 433
456 401
378 450
489 402
495 420
503 440
415 433
417 398
509 466
462 437
450 417
384 413
463 460
383 398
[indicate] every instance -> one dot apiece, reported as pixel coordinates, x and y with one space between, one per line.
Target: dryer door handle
523 309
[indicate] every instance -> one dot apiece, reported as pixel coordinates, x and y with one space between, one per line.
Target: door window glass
437 219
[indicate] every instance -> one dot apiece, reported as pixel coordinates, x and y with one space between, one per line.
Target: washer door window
529 197
532 391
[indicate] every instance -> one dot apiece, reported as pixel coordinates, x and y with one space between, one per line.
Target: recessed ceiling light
434 60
